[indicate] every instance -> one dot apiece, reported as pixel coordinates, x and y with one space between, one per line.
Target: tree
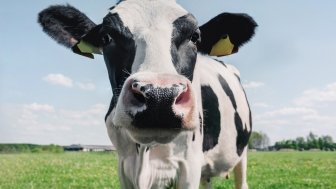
312 141
301 143
258 140
328 143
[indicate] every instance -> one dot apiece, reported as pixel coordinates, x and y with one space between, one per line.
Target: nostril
183 97
139 97
143 89
135 85
138 93
179 98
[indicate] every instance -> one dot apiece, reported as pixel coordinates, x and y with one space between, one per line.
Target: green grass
65 170
288 170
267 170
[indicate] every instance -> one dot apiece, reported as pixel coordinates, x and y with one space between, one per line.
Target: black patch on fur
111 8
65 24
183 51
221 62
193 137
159 112
201 123
211 117
118 54
137 146
228 91
243 134
250 114
239 27
237 76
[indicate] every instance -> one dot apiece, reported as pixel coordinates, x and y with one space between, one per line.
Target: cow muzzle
159 105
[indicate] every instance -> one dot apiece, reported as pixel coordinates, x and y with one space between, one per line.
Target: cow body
215 145
177 117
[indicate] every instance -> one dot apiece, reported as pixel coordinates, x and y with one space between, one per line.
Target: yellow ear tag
86 47
222 47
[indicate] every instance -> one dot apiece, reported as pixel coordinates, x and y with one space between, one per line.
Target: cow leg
124 182
190 175
206 184
240 171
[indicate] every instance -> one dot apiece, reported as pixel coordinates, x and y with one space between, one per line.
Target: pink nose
160 104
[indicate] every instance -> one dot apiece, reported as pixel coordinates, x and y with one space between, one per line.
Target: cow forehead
143 15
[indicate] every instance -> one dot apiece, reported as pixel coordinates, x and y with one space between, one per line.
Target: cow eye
106 39
195 37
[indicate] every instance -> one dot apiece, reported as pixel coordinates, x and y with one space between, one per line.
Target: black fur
239 27
243 134
221 62
65 24
118 54
228 91
212 121
183 51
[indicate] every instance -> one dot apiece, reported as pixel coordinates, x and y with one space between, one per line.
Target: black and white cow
177 116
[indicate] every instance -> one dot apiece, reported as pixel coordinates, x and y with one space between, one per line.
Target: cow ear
69 27
90 43
226 33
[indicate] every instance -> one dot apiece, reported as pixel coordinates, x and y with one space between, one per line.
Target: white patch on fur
134 110
151 23
223 157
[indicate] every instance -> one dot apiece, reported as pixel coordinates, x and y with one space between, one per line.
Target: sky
50 95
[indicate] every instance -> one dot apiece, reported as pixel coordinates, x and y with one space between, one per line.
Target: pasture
266 170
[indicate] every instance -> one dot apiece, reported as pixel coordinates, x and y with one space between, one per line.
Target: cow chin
153 136
161 134
152 130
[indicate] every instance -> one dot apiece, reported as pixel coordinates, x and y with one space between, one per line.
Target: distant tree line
260 141
312 141
30 148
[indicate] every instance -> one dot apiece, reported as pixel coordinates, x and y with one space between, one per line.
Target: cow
177 117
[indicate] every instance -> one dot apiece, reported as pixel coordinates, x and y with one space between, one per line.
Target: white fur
152 32
181 161
162 164
223 157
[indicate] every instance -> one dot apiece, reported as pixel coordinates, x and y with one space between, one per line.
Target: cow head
150 49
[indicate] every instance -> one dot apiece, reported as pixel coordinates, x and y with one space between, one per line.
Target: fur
144 39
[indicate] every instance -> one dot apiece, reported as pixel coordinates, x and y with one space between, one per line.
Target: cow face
156 52
150 50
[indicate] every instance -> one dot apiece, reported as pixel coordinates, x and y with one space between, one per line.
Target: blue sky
50 95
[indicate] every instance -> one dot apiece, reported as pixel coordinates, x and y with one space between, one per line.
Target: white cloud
313 111
291 122
43 123
253 84
39 107
59 79
86 86
317 97
62 80
287 111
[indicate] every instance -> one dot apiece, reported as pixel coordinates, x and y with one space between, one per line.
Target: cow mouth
153 135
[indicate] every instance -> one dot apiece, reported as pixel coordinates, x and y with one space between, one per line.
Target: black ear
224 34
65 24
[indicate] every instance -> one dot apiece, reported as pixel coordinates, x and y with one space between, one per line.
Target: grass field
274 170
